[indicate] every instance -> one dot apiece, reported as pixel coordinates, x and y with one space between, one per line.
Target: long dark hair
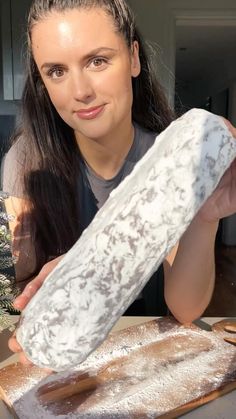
52 156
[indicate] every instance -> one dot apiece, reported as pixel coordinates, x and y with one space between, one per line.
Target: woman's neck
106 155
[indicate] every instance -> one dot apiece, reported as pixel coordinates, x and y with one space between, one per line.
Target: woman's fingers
14 346
230 126
22 300
23 360
30 290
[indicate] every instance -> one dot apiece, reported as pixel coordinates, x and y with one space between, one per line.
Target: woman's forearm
190 282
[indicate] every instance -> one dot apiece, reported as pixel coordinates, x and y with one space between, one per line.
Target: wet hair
52 156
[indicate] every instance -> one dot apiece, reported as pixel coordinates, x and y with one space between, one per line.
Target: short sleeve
11 170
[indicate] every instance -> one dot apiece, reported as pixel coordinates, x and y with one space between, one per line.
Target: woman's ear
135 61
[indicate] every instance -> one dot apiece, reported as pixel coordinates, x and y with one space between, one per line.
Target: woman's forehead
75 30
76 17
83 25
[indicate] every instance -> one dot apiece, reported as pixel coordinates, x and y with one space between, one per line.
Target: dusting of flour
150 370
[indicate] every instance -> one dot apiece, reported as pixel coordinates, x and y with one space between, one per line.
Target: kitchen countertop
222 408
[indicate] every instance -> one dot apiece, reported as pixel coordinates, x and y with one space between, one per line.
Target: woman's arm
189 283
22 245
190 272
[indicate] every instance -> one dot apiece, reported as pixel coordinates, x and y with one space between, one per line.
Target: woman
91 109
61 168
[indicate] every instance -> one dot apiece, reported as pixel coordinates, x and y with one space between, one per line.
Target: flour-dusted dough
129 237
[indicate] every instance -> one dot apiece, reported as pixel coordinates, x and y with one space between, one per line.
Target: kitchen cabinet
13 21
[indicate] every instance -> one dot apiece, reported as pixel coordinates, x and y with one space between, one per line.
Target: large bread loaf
141 221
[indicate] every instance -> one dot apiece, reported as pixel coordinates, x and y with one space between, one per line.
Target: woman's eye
55 73
98 62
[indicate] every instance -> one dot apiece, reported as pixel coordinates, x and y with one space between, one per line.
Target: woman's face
87 70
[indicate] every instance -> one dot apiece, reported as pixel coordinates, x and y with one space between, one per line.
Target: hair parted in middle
52 160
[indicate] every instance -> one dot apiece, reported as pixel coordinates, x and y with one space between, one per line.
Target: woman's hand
189 282
222 202
22 300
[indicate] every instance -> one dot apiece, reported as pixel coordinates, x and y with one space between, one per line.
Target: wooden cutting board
154 370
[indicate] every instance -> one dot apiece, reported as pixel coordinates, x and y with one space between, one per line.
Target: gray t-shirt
102 188
12 181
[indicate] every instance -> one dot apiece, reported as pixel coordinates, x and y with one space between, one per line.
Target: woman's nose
81 86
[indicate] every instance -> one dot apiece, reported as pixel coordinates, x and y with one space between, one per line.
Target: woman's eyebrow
86 57
99 50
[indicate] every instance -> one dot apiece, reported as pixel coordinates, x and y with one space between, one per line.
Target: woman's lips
90 113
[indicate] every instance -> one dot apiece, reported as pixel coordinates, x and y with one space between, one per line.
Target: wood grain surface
157 369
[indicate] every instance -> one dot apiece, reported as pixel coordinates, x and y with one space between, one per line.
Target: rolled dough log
142 220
